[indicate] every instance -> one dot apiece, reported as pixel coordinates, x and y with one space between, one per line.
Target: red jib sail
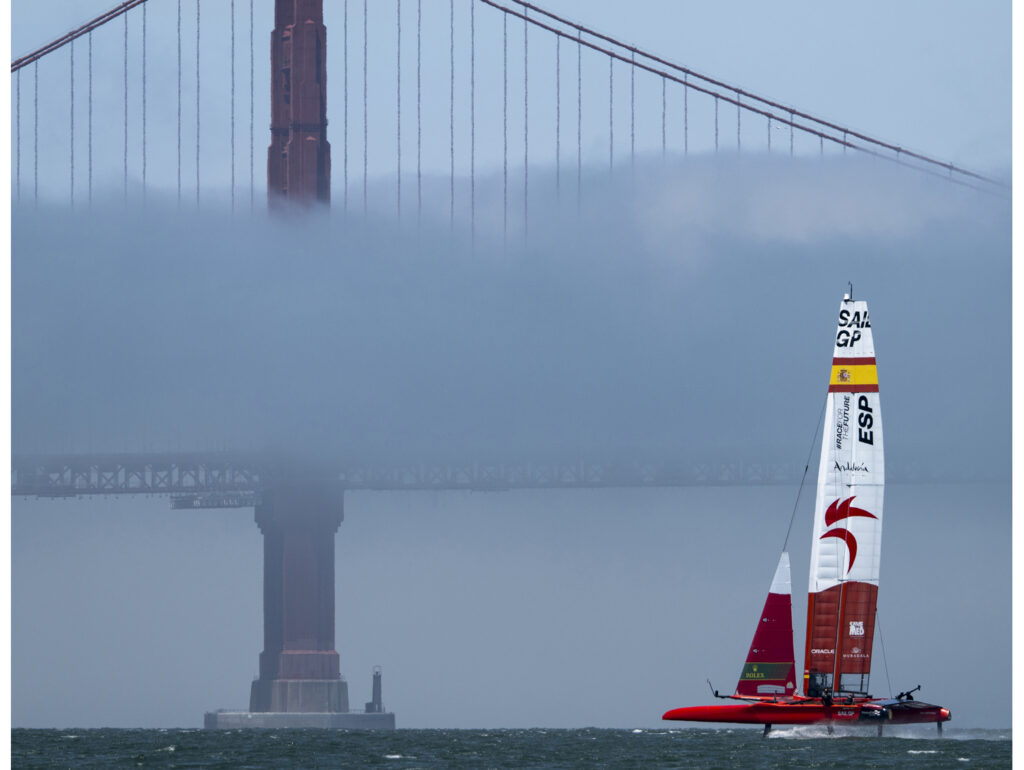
771 666
847 540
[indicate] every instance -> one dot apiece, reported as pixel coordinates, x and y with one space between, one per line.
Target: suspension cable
504 64
71 141
179 103
472 125
398 98
611 114
738 113
558 118
451 114
722 85
232 105
793 113
366 132
716 123
686 118
198 111
90 118
663 111
17 153
125 185
64 40
35 133
419 112
632 112
345 108
526 127
144 31
252 111
579 122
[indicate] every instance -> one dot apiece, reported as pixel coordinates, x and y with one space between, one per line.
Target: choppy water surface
537 748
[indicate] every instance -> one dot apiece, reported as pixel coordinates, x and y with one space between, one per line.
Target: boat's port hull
808 712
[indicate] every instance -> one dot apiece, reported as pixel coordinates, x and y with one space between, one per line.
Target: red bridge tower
299 158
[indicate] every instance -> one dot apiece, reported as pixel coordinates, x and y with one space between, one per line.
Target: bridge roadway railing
196 480
234 479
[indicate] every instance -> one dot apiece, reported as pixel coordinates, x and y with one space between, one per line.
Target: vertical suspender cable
198 27
90 117
366 134
686 117
504 64
232 103
419 111
451 114
72 136
344 176
821 145
526 124
125 185
472 123
35 132
179 103
558 116
611 113
716 123
632 110
252 113
17 132
579 120
144 31
398 97
663 111
738 121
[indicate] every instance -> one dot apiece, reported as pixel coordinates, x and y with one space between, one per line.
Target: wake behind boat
843 588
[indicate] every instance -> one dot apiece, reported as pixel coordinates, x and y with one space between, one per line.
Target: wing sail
770 668
847 542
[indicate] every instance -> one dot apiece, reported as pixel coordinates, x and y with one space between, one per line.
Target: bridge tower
299 158
299 666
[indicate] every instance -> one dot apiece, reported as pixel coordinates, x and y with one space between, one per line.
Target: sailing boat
843 587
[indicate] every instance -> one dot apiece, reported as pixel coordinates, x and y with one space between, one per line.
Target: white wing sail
846 547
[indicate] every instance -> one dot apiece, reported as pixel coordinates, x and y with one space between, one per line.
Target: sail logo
866 421
856 319
851 467
856 629
837 511
850 325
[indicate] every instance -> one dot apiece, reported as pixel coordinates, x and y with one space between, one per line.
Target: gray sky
684 312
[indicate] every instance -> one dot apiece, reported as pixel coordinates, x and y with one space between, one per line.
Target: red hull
809 711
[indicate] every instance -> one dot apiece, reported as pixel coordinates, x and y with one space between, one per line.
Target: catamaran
842 593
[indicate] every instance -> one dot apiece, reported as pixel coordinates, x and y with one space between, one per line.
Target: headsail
847 542
771 667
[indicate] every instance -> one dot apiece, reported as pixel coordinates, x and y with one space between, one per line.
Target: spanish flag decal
853 375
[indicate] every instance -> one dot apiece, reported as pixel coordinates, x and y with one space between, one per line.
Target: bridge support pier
299 666
299 683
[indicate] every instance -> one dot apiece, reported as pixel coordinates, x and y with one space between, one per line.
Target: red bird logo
842 510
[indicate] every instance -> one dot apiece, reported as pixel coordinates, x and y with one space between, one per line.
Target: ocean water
800 747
